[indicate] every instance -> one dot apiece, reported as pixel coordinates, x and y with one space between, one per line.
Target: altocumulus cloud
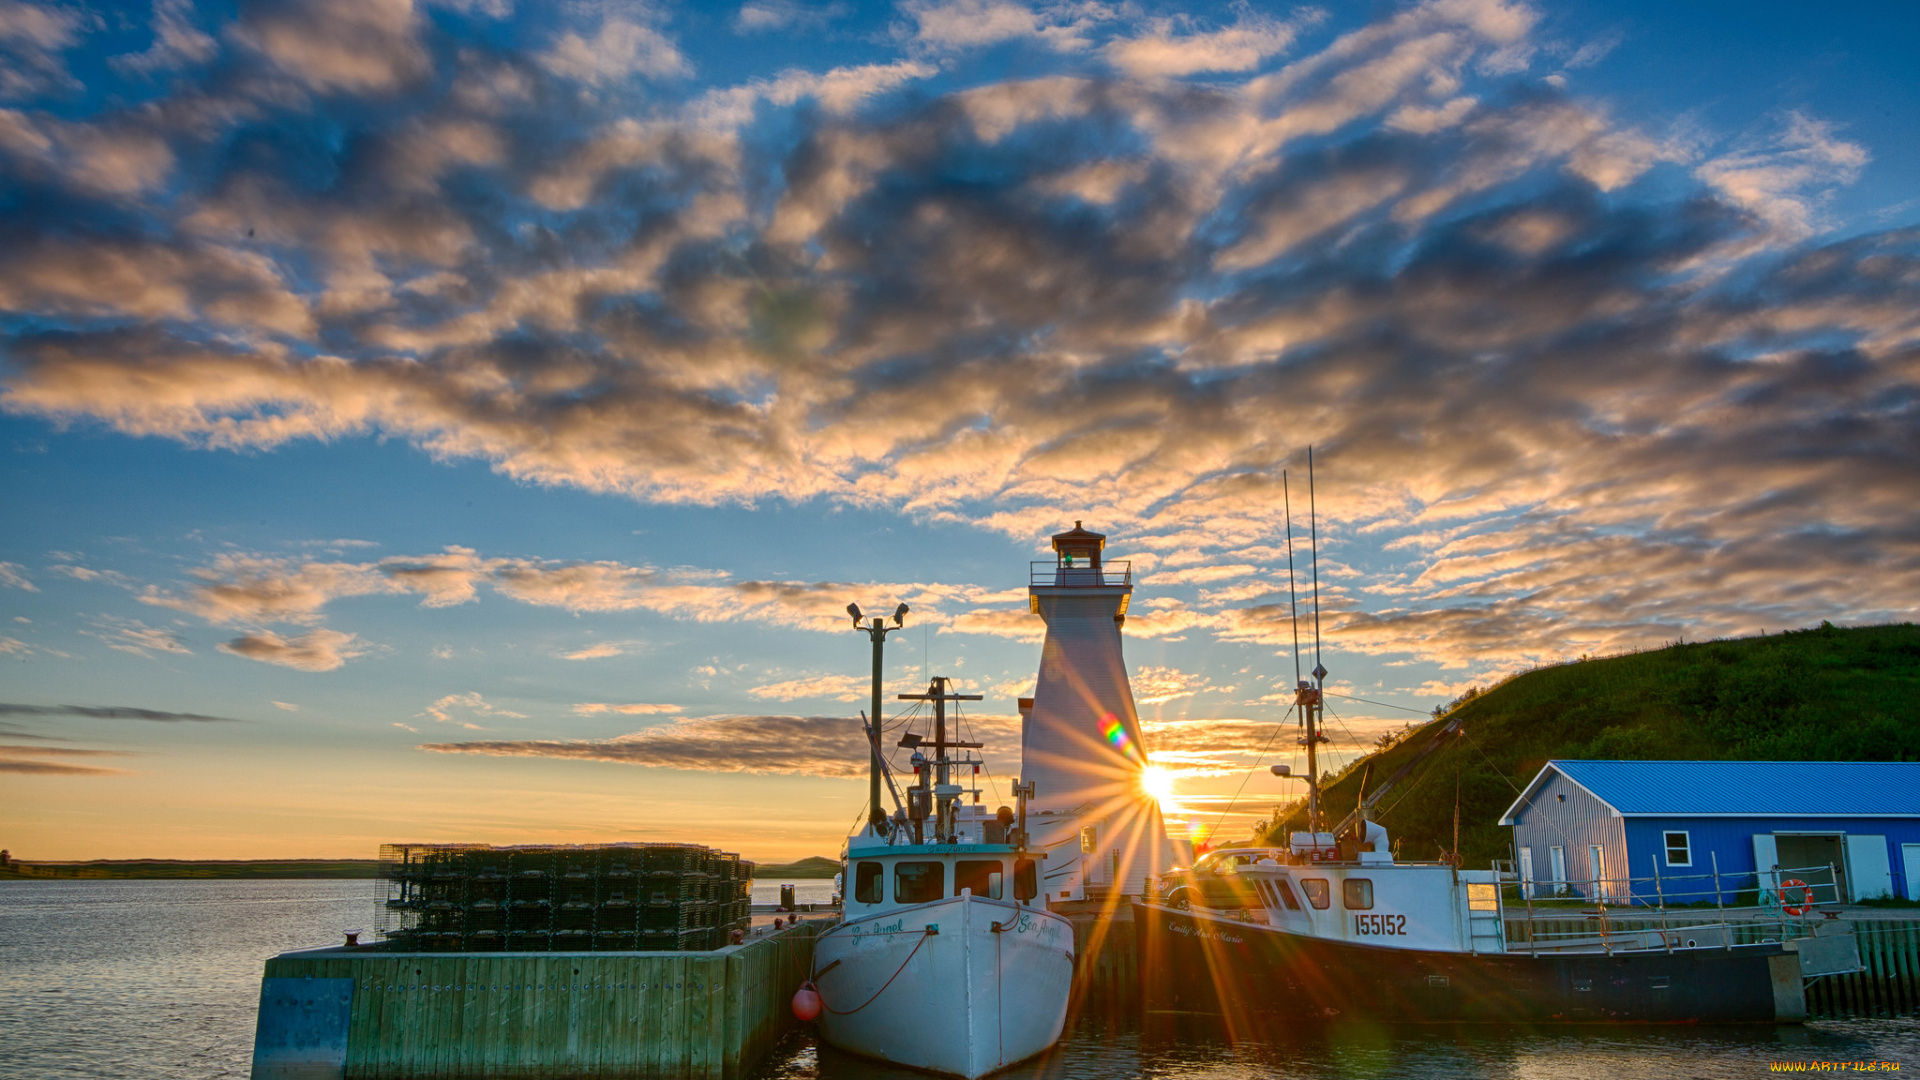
1586 386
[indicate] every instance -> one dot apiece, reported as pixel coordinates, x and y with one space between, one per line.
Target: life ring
1806 897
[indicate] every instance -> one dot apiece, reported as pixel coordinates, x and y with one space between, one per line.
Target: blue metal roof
1750 788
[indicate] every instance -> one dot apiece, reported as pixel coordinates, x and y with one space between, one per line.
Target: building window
1597 867
868 880
1357 894
1557 865
918 882
1526 871
1679 849
1317 892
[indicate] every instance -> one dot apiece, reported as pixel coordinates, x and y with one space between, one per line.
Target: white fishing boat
942 960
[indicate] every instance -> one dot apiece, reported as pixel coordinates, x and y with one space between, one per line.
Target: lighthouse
1081 745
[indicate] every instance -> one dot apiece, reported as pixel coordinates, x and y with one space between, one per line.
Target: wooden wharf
353 1013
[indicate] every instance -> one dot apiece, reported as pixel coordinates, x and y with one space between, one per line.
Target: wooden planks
541 1015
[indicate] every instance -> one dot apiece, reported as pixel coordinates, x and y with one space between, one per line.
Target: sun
1157 782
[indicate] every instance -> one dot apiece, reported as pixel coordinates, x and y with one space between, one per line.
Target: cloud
1154 684
596 708
33 38
967 24
1574 387
837 687
285 706
442 710
14 576
1785 180
136 638
13 760
599 651
794 745
177 42
618 50
112 712
765 16
1165 53
319 649
353 46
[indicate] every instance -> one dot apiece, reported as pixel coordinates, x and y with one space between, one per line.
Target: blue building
1631 831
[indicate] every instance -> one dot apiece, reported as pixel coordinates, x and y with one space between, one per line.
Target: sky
468 421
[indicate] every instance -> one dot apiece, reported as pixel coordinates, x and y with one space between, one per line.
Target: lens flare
1157 782
1116 733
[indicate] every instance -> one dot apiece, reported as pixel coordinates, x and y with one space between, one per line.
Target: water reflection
1195 1047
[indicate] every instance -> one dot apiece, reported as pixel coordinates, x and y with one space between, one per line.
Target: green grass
1825 694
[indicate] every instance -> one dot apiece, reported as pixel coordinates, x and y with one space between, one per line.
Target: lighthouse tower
1081 745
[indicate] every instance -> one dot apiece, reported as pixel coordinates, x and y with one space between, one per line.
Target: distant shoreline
814 868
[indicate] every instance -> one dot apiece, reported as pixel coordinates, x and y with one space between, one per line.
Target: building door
1819 859
1526 870
1597 865
1557 863
1868 875
1910 858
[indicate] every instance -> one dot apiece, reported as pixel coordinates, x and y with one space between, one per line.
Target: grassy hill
816 866
1822 694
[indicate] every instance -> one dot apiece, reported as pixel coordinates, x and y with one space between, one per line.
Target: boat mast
1308 698
945 791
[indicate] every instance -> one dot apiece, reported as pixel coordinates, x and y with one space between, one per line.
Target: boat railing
1051 573
1666 911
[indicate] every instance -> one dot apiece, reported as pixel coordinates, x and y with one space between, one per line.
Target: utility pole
877 631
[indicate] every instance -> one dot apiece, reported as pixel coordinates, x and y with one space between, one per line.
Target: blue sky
468 421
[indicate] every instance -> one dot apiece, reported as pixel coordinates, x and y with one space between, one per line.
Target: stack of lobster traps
577 898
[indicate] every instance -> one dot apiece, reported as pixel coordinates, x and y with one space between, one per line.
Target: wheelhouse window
1679 849
1357 894
982 876
1318 894
918 882
869 878
1285 892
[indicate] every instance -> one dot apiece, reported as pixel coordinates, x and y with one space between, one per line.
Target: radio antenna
1293 599
1313 523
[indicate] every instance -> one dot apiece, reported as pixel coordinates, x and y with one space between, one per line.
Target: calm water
142 979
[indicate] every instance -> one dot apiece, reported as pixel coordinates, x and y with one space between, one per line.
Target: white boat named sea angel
942 960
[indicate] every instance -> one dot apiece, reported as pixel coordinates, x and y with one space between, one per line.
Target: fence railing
1060 574
1665 911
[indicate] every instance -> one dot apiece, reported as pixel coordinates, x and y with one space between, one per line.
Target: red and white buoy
806 1002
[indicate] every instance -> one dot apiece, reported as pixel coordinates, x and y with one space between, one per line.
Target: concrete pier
344 1014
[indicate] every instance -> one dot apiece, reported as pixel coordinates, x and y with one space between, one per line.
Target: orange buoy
806 1002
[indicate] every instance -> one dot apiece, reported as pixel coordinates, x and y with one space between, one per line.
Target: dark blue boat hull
1194 964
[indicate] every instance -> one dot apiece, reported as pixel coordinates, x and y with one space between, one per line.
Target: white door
1910 856
1557 860
1597 864
1526 870
1766 859
1868 875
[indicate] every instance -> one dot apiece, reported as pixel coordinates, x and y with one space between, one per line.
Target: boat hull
1202 963
963 986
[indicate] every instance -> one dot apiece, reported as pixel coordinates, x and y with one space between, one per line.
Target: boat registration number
1380 925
